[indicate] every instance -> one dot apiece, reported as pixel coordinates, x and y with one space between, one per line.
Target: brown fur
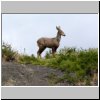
53 43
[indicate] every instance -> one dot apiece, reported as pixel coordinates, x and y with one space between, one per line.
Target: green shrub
25 59
48 54
8 54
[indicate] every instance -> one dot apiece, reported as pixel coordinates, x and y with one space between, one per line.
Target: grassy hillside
80 67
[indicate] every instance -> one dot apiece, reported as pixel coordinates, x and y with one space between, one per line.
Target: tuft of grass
25 59
8 54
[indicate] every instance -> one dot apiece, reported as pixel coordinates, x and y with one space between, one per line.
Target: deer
53 43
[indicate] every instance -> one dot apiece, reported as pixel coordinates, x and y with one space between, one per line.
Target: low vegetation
80 67
8 54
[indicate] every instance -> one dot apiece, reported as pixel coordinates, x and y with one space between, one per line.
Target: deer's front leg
54 51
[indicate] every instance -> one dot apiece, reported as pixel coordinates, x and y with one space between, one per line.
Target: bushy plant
8 54
82 63
25 59
48 54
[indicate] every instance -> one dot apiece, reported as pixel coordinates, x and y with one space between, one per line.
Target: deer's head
60 31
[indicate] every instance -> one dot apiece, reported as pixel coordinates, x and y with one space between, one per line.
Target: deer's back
48 42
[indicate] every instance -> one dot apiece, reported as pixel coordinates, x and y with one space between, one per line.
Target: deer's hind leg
41 49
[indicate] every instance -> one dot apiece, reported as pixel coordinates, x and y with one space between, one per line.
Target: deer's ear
59 27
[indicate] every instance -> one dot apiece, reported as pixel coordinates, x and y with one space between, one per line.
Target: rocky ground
14 74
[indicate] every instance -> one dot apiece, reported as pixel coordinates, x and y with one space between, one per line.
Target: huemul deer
50 42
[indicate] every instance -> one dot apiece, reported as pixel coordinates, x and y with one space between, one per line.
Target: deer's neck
58 37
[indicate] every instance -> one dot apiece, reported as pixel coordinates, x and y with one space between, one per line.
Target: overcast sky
23 30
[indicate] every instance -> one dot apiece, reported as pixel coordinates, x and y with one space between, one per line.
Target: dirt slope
14 74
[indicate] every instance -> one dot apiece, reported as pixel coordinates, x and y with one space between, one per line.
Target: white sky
23 30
